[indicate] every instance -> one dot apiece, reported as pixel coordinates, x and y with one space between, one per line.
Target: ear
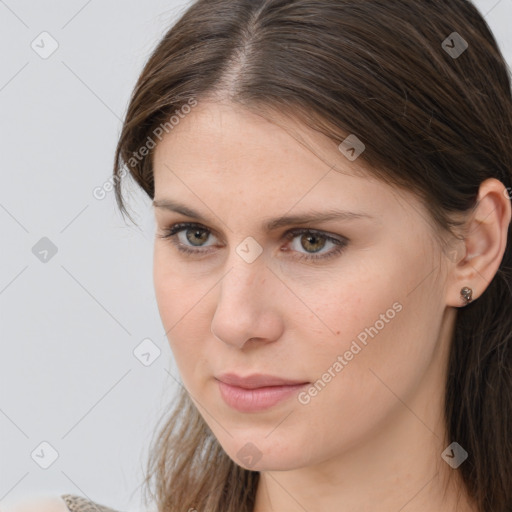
485 238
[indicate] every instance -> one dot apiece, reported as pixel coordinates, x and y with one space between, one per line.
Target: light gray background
69 326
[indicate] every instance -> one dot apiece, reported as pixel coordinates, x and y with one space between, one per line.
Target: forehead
226 156
219 137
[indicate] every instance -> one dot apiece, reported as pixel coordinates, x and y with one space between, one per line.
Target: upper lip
256 380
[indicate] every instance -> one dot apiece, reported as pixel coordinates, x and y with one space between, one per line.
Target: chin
266 454
270 463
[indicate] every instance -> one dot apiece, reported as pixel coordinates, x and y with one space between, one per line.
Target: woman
332 260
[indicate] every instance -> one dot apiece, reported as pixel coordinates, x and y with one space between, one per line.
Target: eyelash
170 234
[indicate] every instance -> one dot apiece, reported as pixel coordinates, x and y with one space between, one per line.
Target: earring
466 294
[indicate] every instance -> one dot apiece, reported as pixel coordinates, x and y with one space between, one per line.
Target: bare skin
374 434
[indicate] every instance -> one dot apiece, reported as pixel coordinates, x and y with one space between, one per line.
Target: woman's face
354 309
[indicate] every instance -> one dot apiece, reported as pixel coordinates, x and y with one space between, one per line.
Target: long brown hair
423 84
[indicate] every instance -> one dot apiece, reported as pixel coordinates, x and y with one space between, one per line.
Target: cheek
375 298
375 352
385 337
180 298
178 291
346 308
368 322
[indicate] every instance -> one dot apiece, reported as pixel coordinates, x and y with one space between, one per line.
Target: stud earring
466 295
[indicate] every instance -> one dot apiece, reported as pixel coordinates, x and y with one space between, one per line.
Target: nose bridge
243 282
244 308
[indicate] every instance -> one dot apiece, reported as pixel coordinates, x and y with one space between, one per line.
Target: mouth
256 392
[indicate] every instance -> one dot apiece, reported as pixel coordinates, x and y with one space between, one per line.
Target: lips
256 393
257 381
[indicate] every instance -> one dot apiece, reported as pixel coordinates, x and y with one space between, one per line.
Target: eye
188 235
317 244
196 236
313 242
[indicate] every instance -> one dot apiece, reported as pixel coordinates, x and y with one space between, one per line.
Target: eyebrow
272 224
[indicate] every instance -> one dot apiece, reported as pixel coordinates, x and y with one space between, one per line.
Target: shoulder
62 503
75 503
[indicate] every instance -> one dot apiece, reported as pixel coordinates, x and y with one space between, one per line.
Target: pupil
310 240
196 236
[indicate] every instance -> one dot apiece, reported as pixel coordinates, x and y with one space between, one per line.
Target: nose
247 307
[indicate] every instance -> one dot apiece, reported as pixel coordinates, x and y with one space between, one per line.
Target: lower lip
259 399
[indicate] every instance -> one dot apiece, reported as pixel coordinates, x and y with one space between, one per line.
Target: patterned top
77 503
